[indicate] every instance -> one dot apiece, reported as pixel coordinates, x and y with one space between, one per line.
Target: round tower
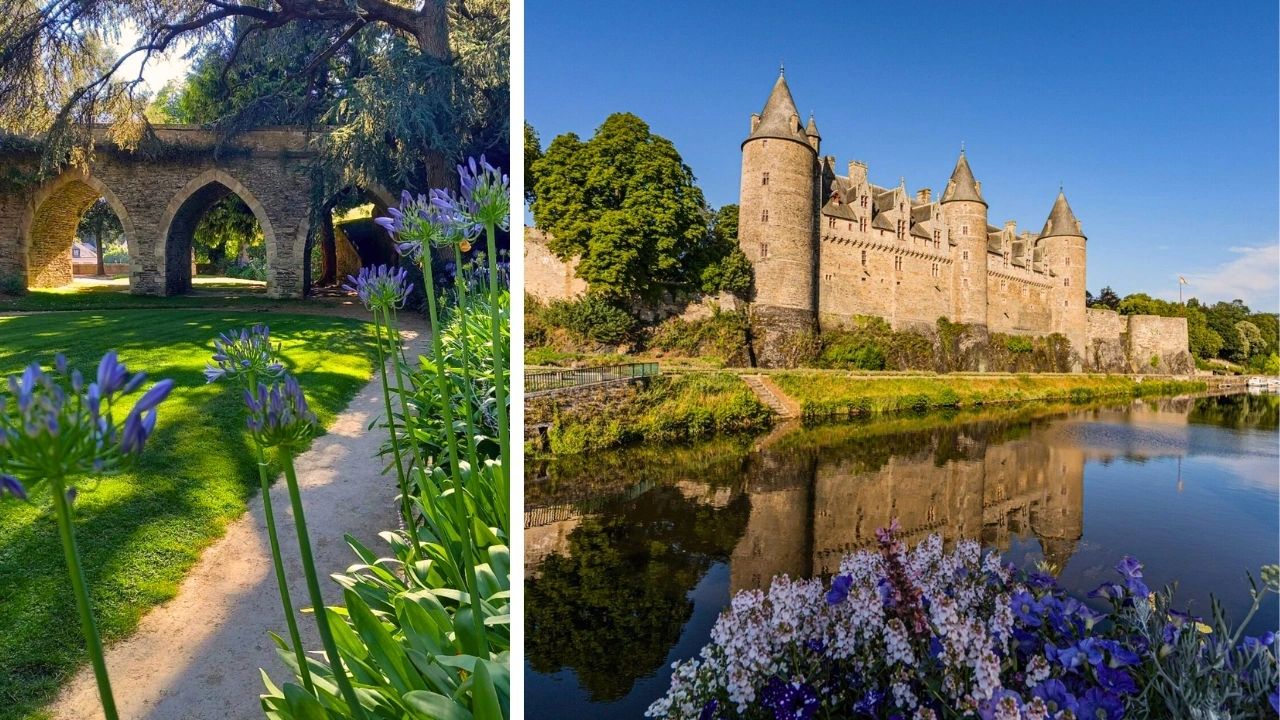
777 225
965 213
1065 246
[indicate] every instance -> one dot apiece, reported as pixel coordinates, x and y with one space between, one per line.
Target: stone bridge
160 201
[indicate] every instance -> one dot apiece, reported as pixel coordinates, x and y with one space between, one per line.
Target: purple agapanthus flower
53 425
485 198
9 485
279 415
381 287
245 355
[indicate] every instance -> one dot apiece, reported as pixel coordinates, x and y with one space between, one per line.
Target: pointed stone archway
48 227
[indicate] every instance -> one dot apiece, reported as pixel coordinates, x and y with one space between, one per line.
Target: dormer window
862 224
864 200
831 222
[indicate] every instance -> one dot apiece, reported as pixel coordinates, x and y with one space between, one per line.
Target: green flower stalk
54 428
460 292
383 290
244 357
279 418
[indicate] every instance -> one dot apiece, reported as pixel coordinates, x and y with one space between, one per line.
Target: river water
632 554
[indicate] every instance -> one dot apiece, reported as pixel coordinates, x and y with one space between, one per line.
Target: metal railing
543 380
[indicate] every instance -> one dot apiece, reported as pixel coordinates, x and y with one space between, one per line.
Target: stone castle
827 248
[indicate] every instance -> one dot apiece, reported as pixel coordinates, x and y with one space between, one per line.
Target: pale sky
160 69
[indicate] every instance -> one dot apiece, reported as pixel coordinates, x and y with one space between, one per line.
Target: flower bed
928 634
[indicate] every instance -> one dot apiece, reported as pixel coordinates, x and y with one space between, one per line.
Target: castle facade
827 248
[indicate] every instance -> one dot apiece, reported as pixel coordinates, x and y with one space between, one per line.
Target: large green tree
99 225
624 203
404 87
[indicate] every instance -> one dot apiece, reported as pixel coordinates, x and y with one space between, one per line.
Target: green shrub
12 285
1019 344
590 317
1155 361
722 336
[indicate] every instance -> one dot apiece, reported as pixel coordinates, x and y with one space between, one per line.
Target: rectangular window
764 216
75 252
764 250
897 262
862 224
764 179
864 258
864 201
964 229
965 254
831 222
1066 282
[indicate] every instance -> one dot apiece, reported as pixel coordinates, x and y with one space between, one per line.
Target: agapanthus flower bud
381 287
279 415
243 355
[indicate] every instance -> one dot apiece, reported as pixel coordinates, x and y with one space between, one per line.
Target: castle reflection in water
639 550
818 494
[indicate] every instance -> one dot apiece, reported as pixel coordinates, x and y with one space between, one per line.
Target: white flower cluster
794 630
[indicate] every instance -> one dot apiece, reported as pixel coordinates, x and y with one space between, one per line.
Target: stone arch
322 228
49 225
183 214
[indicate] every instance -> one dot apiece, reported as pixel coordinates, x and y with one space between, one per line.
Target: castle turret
778 216
965 213
1065 246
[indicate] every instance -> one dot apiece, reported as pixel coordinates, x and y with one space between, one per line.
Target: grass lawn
139 532
94 294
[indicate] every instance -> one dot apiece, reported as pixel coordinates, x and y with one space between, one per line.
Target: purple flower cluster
246 356
380 288
279 415
926 634
442 218
54 424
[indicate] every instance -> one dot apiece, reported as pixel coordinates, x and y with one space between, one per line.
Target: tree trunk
97 241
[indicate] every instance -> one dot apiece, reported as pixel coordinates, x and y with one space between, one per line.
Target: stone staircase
771 395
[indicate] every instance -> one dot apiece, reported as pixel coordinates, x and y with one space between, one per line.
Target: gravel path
197 656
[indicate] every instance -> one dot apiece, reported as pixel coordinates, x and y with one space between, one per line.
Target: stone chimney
924 195
857 172
1011 227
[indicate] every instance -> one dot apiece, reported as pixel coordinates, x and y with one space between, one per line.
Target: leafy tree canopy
625 203
532 154
404 87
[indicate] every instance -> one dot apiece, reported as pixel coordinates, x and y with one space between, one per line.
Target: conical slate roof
962 185
1061 220
780 119
812 128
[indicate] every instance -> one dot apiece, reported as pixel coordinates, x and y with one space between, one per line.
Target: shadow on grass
139 532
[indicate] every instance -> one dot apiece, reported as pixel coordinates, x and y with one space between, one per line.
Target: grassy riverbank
671 409
826 394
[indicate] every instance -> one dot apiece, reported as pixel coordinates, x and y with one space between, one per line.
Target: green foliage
722 337
1019 344
590 318
673 408
228 233
532 154
871 344
824 394
1215 331
725 267
148 525
624 203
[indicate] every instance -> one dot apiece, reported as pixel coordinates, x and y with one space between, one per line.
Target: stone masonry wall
546 276
1159 344
1107 333
152 197
544 408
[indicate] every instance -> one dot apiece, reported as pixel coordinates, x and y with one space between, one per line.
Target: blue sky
1160 119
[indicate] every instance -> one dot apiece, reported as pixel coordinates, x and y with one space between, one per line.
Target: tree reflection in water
616 542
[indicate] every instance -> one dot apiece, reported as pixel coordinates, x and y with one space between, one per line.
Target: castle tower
778 218
1065 247
965 213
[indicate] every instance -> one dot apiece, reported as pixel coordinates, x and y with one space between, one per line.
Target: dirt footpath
197 656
